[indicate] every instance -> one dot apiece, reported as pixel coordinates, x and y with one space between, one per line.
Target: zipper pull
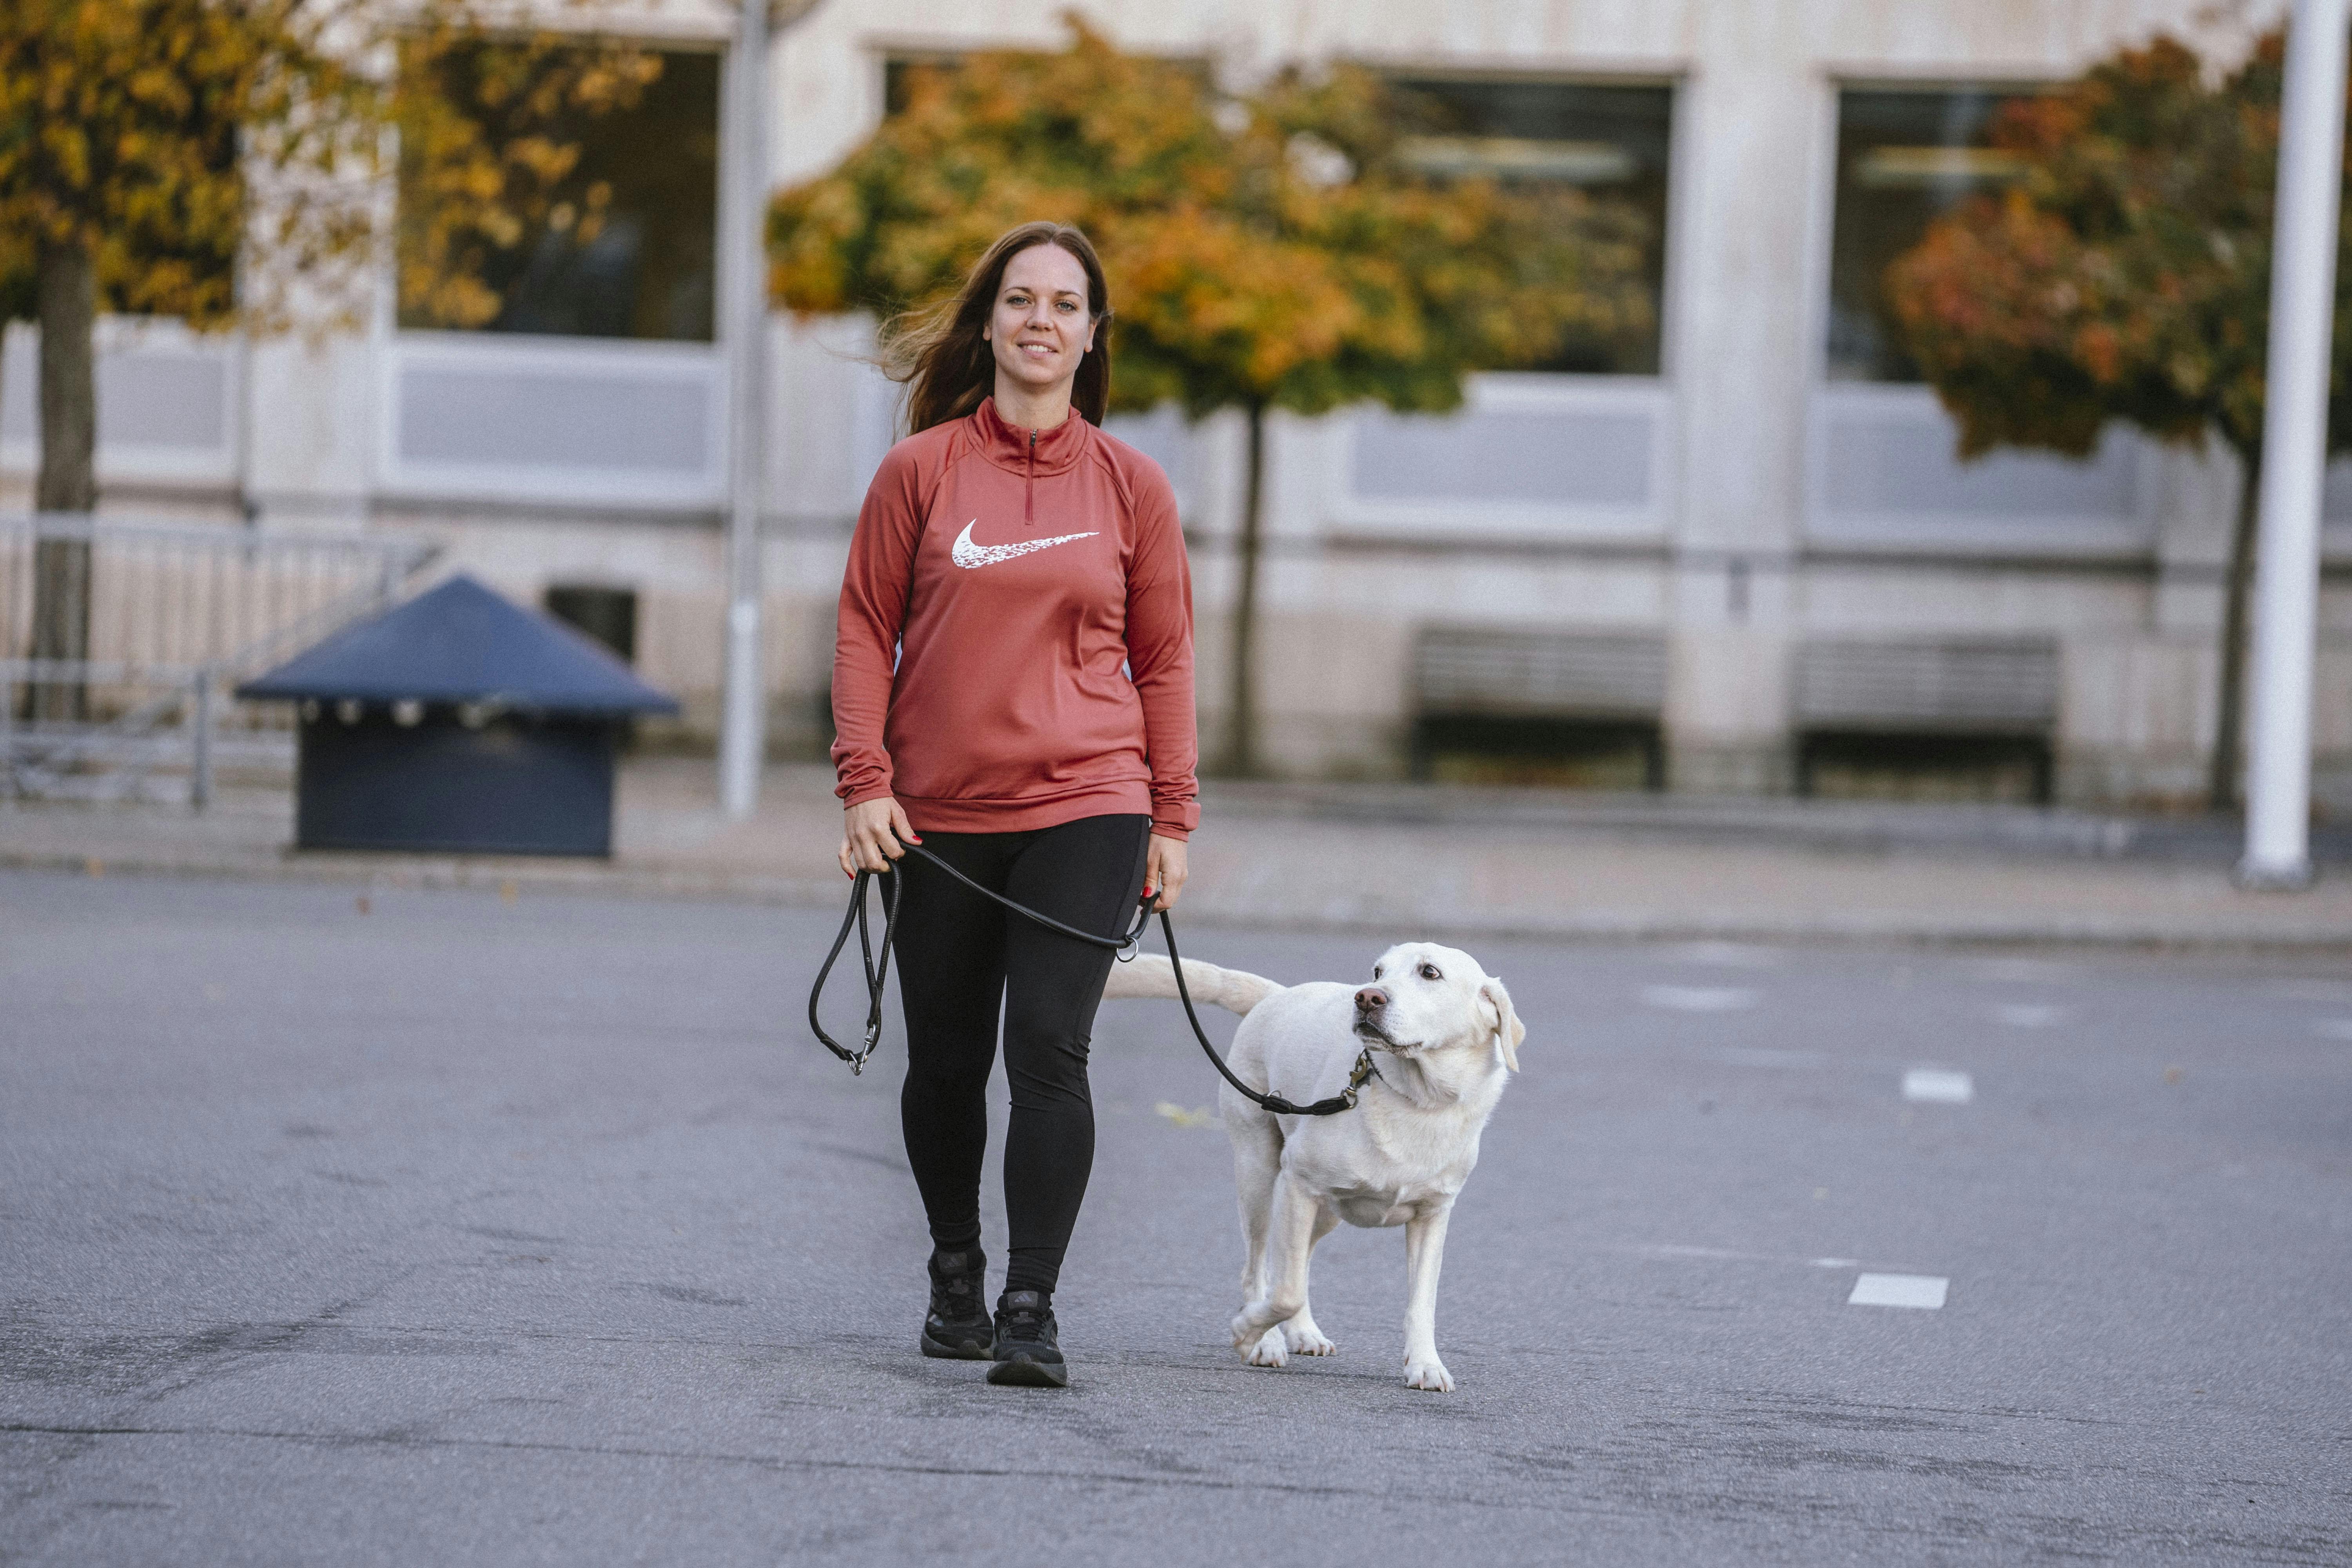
1029 497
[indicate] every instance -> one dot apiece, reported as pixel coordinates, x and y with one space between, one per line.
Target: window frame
1675 220
385 324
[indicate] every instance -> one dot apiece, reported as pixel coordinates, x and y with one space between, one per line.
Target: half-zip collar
1032 454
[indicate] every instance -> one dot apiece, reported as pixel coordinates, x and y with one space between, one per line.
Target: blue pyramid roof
462 643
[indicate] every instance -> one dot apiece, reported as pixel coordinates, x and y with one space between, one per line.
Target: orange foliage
1265 251
2125 275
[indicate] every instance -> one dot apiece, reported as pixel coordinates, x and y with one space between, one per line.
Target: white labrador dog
1443 1040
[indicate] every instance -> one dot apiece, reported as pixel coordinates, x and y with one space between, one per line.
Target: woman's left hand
1163 872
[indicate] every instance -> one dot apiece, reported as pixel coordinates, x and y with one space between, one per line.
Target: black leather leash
876 968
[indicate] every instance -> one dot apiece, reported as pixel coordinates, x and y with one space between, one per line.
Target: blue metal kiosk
458 722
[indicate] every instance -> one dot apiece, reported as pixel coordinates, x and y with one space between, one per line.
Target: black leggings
959 956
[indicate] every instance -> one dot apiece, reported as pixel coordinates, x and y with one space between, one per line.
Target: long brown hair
949 367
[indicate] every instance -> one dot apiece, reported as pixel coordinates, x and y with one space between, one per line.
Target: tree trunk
1240 759
69 481
2221 782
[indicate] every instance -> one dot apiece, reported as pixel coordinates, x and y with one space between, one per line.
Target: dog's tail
1235 990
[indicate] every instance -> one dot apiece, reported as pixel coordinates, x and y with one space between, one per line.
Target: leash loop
1122 948
876 972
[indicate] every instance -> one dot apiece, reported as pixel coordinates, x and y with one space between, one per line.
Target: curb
511 875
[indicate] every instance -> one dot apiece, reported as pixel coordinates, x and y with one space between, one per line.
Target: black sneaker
958 1325
1028 1344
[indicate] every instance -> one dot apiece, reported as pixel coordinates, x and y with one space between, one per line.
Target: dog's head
1426 997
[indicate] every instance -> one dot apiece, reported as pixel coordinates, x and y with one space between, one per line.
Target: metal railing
120 641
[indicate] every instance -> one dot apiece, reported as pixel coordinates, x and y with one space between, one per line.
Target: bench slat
2008 685
1482 670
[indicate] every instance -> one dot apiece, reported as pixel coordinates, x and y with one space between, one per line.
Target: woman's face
1040 328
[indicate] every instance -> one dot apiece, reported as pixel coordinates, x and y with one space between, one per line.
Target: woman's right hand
874 833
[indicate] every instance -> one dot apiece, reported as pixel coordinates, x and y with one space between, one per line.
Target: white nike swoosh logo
967 554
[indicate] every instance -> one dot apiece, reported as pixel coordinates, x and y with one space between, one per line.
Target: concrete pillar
1754 128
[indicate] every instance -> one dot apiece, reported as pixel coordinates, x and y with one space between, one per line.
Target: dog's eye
1376 971
1428 972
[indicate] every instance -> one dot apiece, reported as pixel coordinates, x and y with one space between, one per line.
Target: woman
1011 690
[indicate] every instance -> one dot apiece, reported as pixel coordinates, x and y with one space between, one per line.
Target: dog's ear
1508 1031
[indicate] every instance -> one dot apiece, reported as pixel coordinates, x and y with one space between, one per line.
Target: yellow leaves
489 148
1264 251
121 128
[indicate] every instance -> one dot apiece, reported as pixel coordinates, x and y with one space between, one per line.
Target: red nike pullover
1034 587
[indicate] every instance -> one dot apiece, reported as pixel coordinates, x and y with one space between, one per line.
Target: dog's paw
1307 1340
1428 1375
1246 1333
1269 1350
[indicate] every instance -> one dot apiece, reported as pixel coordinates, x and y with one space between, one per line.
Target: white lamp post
2295 448
743 274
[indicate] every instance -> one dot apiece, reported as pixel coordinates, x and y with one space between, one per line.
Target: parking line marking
1699 998
2028 1015
1936 1086
1923 1291
1726 954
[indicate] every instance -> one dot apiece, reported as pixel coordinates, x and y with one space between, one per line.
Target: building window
1609 140
604 220
1905 158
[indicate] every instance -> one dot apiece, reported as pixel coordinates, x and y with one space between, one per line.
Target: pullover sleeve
1160 655
873 592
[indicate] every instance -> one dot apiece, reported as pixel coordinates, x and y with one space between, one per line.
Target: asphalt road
468 1230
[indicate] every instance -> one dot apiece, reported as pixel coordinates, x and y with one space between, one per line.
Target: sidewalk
1389 861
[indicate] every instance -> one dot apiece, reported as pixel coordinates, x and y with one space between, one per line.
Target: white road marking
1833 1262
2028 1015
1699 998
1937 1086
2333 1029
2027 970
1726 954
1898 1290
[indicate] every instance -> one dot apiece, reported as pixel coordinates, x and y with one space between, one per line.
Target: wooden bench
1947 699
1578 691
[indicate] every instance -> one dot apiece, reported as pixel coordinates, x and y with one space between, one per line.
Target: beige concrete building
1740 557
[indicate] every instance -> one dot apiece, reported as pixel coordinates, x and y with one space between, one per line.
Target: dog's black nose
1371 999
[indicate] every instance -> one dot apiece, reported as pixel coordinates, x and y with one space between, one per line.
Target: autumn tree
210 159
2123 277
1270 250
132 134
